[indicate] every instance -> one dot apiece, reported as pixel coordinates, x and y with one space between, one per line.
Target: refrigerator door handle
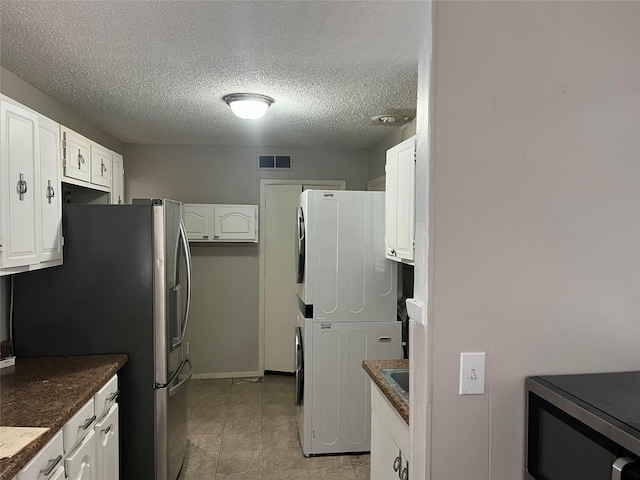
187 259
173 390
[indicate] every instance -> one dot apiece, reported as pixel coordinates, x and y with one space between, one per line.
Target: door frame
262 250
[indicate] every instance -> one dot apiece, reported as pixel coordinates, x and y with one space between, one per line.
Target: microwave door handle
618 467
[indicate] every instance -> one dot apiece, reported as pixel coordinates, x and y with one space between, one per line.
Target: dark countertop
47 392
373 367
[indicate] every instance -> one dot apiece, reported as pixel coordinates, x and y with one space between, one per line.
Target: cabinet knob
80 159
22 187
397 463
393 252
405 473
50 192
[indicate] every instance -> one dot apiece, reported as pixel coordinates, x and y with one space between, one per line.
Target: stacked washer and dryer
347 297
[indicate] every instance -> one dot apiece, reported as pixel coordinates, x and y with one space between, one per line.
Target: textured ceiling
156 72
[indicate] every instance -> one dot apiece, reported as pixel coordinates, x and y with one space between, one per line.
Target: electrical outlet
472 373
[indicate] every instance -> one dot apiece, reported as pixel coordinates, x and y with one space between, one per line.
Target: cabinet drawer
79 425
47 461
105 397
80 464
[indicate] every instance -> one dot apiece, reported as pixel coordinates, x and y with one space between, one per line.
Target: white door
197 220
20 185
50 199
76 151
117 178
280 287
100 165
107 455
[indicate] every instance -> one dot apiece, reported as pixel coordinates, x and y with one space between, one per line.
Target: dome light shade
248 105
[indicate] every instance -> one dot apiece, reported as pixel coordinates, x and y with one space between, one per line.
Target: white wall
535 211
223 330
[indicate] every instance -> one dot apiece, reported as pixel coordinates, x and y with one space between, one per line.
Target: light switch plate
472 373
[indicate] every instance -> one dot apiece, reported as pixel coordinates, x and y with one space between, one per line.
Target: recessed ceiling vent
394 118
274 162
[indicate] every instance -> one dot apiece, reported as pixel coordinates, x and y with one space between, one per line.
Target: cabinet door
19 185
117 178
386 457
197 221
80 463
76 155
235 223
50 198
400 201
100 165
107 454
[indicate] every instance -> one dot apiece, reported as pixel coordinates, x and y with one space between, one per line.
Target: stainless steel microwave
583 427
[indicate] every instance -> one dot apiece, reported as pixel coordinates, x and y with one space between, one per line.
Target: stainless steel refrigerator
124 287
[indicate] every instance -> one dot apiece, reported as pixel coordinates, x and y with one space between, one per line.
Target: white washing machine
332 390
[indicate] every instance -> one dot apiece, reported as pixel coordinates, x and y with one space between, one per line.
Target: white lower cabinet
80 464
47 463
75 430
107 453
389 440
87 446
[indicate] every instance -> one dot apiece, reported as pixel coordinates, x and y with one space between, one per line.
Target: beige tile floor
244 429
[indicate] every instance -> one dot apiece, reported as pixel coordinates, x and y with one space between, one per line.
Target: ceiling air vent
274 162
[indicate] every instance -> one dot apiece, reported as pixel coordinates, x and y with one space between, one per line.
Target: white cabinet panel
221 223
80 463
117 178
107 440
47 463
20 184
197 221
78 426
76 155
100 165
389 439
50 199
400 201
235 222
105 398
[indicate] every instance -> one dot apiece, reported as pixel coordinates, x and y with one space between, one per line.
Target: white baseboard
201 376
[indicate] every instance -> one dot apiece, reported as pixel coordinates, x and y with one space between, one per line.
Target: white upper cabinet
51 199
117 178
87 164
30 225
233 223
400 201
197 221
221 223
76 156
100 165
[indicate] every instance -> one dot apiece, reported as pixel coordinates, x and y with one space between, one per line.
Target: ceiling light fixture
248 105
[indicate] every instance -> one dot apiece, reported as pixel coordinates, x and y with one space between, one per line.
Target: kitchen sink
398 378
